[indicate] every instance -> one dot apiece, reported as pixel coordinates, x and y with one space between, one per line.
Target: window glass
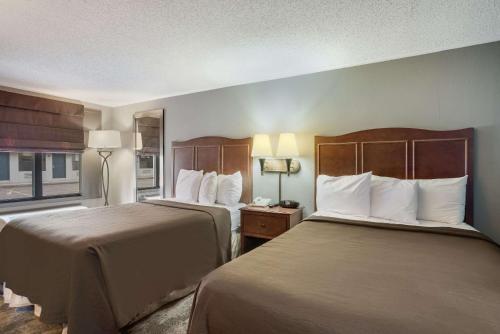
62 176
146 172
16 176
4 166
75 161
146 161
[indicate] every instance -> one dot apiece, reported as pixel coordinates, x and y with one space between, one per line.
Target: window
38 176
147 172
75 162
62 181
25 162
146 161
4 166
58 166
16 183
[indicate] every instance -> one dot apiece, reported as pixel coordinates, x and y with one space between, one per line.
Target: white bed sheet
234 211
6 218
423 223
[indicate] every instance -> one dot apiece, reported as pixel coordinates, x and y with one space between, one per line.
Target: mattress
188 240
422 223
233 210
10 298
356 276
4 219
14 300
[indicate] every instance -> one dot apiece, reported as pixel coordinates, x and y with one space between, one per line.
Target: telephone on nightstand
260 201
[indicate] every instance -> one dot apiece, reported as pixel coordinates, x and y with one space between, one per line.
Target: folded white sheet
234 210
422 223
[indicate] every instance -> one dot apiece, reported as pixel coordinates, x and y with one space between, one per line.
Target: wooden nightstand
259 225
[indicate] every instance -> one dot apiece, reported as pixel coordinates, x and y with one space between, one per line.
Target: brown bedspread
326 276
100 269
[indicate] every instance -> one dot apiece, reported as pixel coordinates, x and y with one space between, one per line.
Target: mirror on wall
148 139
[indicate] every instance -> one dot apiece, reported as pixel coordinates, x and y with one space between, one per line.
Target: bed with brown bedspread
334 276
100 269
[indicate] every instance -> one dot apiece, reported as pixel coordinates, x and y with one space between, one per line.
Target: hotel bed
345 274
101 269
234 212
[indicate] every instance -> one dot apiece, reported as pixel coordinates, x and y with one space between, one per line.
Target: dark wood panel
385 158
337 159
402 153
220 154
433 158
208 158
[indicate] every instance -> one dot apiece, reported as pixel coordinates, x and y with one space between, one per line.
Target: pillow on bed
394 199
208 188
349 195
188 183
229 188
442 200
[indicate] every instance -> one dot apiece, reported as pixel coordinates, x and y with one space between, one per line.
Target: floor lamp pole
105 186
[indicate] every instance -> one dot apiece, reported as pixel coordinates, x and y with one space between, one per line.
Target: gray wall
446 90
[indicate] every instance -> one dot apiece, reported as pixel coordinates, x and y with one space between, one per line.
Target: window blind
38 124
149 127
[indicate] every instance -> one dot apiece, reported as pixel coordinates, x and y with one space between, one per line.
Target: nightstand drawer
264 225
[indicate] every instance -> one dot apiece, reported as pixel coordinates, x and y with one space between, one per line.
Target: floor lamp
104 141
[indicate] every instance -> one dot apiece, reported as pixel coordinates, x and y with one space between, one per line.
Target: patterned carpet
171 319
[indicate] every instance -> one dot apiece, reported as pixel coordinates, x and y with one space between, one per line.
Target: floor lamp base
105 185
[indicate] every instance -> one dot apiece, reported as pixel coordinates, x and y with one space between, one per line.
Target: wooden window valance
30 123
149 127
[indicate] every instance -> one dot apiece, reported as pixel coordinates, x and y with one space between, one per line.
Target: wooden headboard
218 154
403 153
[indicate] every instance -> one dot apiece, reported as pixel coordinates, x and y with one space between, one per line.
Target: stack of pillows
208 188
408 201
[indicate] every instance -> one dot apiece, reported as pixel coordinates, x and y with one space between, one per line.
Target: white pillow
442 200
208 188
349 195
394 199
229 188
188 183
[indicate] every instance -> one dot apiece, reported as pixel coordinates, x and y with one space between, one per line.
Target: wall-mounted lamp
261 149
287 149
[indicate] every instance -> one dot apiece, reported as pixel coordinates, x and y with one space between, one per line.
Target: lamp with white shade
261 148
287 149
104 141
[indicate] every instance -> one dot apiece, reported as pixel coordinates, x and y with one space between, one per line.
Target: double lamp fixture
287 150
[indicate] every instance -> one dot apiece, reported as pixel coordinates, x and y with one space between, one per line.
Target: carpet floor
170 319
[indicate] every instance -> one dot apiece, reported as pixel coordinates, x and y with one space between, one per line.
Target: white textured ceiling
119 52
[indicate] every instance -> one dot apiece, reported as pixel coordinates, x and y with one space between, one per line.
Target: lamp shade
261 146
104 139
138 141
287 146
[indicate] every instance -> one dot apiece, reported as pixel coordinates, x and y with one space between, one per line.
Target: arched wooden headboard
219 154
403 153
